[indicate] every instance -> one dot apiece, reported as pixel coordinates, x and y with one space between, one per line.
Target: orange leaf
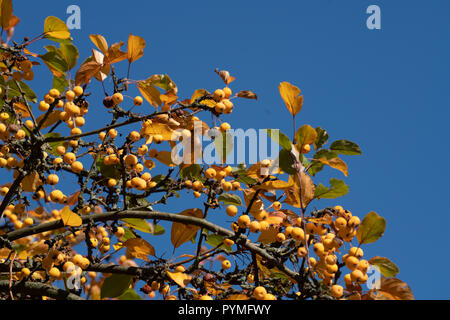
290 95
182 233
139 248
136 47
52 118
100 42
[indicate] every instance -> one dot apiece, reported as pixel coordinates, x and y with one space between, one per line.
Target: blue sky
384 89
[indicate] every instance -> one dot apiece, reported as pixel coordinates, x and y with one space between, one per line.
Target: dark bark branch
37 289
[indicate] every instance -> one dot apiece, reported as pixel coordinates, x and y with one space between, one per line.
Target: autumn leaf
136 47
100 42
225 75
21 108
52 118
86 71
30 182
158 128
56 28
393 289
181 232
247 94
290 95
268 236
180 278
198 94
293 193
6 13
139 248
149 92
336 163
165 157
70 218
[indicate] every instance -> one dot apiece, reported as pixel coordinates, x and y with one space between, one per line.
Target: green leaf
56 28
322 138
317 166
60 83
337 188
55 61
215 240
70 54
192 172
229 198
280 138
115 285
371 229
346 147
111 171
139 224
305 135
386 266
14 90
127 235
54 145
224 145
286 161
130 294
158 230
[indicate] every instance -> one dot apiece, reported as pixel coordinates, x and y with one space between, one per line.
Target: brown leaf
87 71
393 289
293 193
100 42
247 94
114 54
225 75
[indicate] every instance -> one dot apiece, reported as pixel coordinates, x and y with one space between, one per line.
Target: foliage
101 227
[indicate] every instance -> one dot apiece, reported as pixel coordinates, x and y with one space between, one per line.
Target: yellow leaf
6 13
166 158
158 128
136 47
100 42
30 182
290 95
150 93
56 28
275 184
182 233
179 278
336 163
198 94
139 248
70 218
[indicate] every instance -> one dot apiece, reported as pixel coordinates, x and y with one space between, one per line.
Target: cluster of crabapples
322 240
